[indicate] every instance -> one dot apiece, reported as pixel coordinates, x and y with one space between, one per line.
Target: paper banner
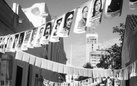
57 25
1 37
26 40
50 65
95 13
16 39
25 57
76 71
39 36
81 18
67 24
96 73
85 72
60 68
71 69
44 64
66 69
90 72
20 41
113 8
47 32
81 71
19 55
38 62
33 38
55 66
4 42
32 59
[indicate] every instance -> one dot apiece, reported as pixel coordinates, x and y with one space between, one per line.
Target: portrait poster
132 4
47 32
95 13
57 25
13 49
67 24
10 43
39 36
20 41
33 38
5 42
4 38
2 44
26 40
81 18
1 37
113 8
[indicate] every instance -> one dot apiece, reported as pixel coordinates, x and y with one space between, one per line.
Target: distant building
94 50
95 56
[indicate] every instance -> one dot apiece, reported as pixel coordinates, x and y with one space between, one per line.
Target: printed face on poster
95 13
81 18
67 23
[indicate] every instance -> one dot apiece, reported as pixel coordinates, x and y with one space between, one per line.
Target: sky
78 41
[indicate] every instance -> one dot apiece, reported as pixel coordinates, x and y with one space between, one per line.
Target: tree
113 59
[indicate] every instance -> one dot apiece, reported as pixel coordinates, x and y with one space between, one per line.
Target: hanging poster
58 23
15 42
10 43
95 13
39 36
47 32
26 40
20 41
33 38
81 18
113 8
67 24
1 46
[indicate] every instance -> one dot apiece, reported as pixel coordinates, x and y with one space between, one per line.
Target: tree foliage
113 58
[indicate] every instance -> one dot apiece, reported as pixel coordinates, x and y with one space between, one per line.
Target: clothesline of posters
121 74
85 15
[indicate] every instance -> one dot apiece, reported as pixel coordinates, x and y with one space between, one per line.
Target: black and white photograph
20 41
47 32
68 20
95 13
68 43
16 39
57 25
26 40
113 8
33 38
81 18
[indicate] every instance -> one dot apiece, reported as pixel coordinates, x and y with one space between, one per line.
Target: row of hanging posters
87 15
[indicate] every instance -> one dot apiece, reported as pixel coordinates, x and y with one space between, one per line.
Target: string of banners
89 81
121 74
85 16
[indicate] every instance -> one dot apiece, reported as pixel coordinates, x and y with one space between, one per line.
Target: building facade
18 73
94 50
